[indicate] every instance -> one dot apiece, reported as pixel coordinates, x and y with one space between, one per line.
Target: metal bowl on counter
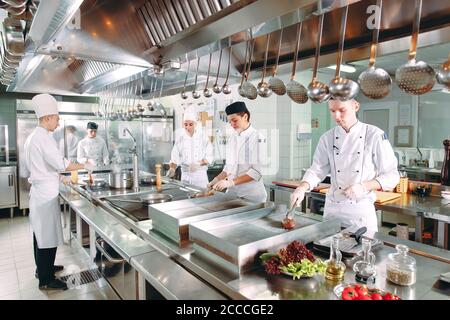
121 180
97 184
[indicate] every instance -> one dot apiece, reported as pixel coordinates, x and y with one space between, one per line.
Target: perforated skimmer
295 90
275 83
375 83
415 77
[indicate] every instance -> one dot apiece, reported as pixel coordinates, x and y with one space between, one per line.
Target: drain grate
84 277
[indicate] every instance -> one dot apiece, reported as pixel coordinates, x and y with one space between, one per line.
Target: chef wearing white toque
193 151
44 163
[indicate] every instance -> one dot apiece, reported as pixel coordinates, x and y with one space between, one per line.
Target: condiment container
400 267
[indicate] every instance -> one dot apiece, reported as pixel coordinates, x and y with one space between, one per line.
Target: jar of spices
400 267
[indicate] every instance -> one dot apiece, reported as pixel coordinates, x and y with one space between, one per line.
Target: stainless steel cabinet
8 190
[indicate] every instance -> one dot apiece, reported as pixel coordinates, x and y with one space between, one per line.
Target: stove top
138 211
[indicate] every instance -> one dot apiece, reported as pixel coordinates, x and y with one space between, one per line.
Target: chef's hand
170 173
355 191
223 184
210 185
89 166
297 196
66 180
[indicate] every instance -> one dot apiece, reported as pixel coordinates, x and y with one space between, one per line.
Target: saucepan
121 180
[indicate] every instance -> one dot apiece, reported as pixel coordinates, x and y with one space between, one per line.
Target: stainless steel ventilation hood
79 47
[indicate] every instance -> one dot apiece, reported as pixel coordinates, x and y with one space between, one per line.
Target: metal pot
121 180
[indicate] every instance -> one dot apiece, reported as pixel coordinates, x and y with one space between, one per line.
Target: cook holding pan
360 160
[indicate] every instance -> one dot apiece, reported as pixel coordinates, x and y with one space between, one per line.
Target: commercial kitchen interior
101 59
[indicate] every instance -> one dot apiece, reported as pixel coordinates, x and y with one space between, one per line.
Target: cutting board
296 183
382 196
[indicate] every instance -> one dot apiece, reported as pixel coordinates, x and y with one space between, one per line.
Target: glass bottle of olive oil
335 267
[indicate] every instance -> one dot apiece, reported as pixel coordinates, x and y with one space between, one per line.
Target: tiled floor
17 266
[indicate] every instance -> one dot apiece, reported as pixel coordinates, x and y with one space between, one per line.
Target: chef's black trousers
45 263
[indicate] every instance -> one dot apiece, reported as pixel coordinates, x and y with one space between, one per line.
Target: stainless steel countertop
430 207
256 285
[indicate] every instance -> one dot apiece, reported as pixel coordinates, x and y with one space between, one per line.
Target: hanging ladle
415 77
139 106
295 90
375 83
249 89
443 73
183 93
244 70
318 91
207 92
275 83
342 88
226 89
216 87
263 87
195 93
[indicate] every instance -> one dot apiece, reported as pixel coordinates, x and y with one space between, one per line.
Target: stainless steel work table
435 208
256 285
157 268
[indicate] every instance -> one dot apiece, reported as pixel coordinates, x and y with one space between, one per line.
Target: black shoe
55 284
57 268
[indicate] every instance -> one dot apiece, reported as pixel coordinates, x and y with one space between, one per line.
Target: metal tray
233 242
173 218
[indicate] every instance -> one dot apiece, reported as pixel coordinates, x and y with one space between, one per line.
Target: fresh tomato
395 297
365 297
349 293
376 296
387 296
362 291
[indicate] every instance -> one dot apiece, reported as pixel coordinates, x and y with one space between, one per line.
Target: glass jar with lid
400 267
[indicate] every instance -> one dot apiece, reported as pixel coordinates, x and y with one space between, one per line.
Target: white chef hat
189 116
44 105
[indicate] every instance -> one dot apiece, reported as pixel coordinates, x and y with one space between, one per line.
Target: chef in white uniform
43 163
92 149
360 160
193 151
244 152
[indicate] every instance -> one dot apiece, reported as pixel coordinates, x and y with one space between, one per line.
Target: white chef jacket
43 162
93 148
72 146
245 155
362 154
187 150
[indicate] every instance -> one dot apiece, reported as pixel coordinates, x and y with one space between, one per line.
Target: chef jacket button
340 188
360 137
359 152
339 170
357 171
337 153
337 137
